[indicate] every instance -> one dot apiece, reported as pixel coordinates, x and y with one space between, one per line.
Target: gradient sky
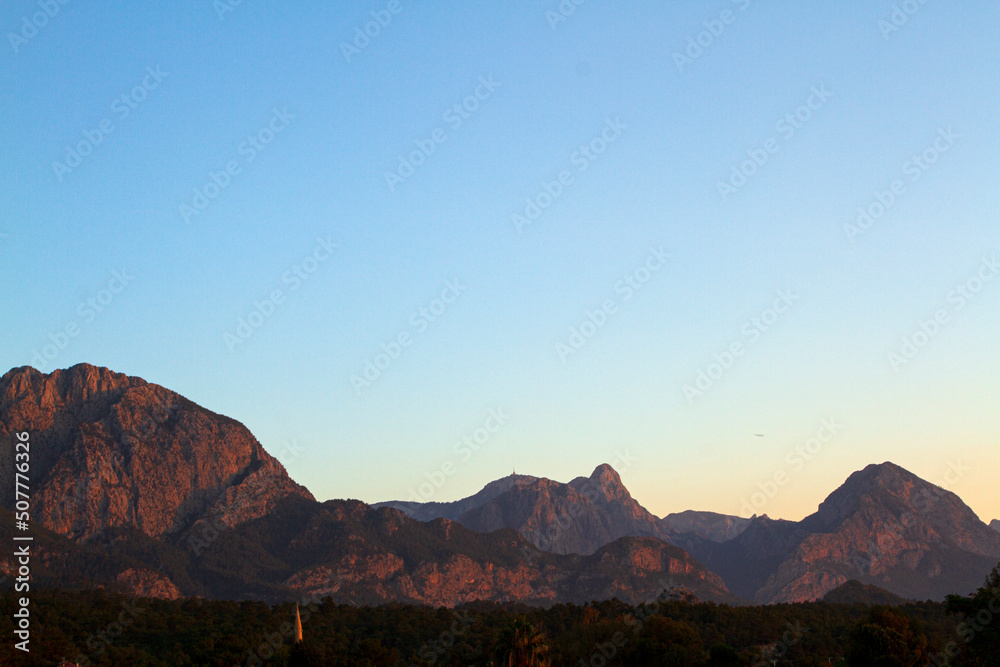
346 118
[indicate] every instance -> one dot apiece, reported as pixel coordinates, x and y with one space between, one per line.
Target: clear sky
675 181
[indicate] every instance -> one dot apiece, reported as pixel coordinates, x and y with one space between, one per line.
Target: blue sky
217 159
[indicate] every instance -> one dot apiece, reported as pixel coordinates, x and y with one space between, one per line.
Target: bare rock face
604 488
995 525
147 584
579 517
401 559
554 517
884 526
108 450
655 570
892 529
452 581
443 563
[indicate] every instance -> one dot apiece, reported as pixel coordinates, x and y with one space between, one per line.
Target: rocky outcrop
59 562
995 525
576 517
884 526
146 583
108 450
655 570
443 563
579 517
561 518
604 488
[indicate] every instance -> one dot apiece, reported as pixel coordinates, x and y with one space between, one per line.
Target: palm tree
520 644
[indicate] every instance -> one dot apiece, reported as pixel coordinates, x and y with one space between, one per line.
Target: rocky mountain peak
109 450
498 486
884 526
886 483
603 486
995 525
77 388
605 475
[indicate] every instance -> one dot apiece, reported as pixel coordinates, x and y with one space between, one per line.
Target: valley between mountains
135 488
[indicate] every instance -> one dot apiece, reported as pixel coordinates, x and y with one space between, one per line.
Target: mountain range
884 526
578 517
135 488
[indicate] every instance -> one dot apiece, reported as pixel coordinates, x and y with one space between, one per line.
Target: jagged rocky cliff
108 450
576 517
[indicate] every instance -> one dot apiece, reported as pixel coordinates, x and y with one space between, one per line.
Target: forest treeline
100 628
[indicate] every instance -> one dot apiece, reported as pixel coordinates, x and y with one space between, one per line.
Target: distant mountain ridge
706 525
884 527
580 516
995 525
428 511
